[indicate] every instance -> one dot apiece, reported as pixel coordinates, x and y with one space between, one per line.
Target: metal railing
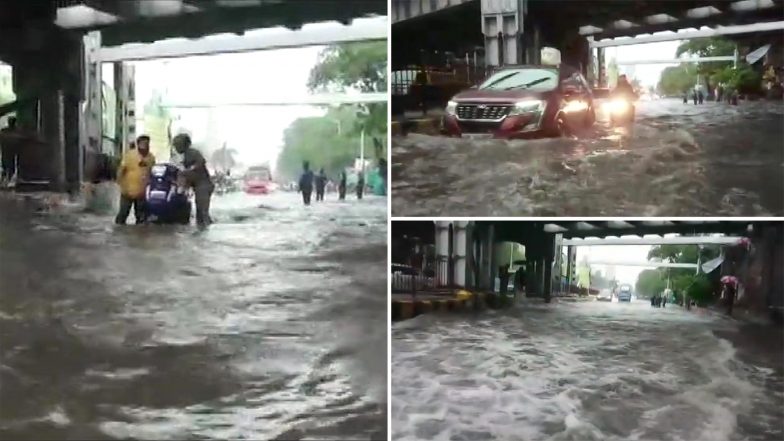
409 280
429 85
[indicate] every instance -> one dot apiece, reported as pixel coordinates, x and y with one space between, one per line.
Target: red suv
522 101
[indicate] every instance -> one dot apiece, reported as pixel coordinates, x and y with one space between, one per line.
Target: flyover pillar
459 246
505 33
547 289
442 253
601 74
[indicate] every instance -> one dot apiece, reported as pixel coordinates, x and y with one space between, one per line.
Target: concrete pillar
442 252
503 29
90 134
459 247
547 288
601 71
570 266
53 131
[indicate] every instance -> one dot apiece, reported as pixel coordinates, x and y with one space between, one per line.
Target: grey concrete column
53 130
442 252
601 72
459 246
502 27
547 287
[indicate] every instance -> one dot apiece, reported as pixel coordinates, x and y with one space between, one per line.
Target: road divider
460 301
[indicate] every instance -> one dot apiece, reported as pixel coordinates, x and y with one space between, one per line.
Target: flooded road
586 371
678 160
269 325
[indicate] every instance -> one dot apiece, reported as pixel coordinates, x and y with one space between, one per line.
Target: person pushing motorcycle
196 176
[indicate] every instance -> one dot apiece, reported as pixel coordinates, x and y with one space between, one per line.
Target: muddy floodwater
590 371
677 160
269 325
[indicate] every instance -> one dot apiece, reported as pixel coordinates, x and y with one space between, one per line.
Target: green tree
361 66
318 141
708 47
675 80
650 282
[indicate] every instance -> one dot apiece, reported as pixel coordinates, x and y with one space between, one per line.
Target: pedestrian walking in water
342 186
306 183
664 301
700 96
694 96
321 184
196 176
360 185
133 175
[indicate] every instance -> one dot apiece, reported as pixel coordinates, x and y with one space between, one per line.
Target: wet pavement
587 371
271 324
677 160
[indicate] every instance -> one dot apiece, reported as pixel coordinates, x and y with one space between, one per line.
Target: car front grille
477 127
492 112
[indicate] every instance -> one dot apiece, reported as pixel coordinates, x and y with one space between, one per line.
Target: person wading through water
342 186
196 176
321 184
306 183
133 175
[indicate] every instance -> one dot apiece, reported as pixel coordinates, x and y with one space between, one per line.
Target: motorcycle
621 110
167 202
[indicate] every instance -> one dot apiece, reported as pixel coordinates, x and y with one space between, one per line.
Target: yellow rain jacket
134 172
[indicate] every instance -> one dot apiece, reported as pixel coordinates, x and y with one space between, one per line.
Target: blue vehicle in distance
625 293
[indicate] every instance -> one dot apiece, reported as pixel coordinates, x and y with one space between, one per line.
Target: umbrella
729 280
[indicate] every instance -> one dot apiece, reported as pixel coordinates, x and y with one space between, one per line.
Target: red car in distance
258 180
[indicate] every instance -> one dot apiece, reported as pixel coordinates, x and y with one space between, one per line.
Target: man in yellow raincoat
133 175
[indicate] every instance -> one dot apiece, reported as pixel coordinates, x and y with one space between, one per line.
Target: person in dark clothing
653 301
700 96
694 96
664 301
729 294
306 183
360 185
342 186
624 89
196 176
321 183
10 151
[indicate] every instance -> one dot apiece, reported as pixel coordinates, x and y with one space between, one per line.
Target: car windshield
258 174
527 78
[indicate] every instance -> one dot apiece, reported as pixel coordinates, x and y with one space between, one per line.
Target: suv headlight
527 106
451 108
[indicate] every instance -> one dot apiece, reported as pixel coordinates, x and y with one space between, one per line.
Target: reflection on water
266 325
677 160
586 371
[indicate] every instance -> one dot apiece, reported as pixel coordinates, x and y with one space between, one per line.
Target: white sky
648 74
616 253
255 132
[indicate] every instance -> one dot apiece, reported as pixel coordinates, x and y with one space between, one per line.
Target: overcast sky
648 74
616 253
255 132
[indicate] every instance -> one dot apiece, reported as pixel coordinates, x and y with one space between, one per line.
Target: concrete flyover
56 47
464 256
